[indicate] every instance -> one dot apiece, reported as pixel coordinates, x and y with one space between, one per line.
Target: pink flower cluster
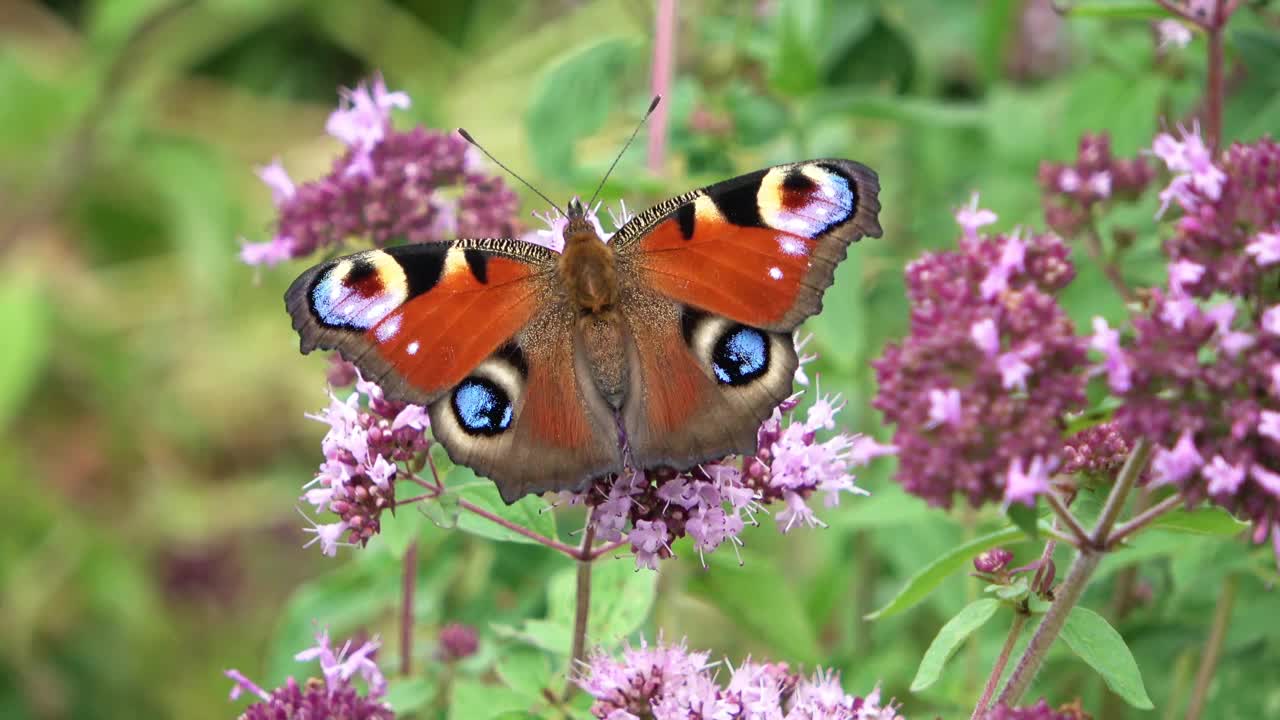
1070 190
369 437
991 364
713 503
385 187
1200 375
669 682
334 696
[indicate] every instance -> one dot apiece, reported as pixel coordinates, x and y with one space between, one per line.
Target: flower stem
1064 514
582 605
1068 595
1143 519
1212 647
556 545
1019 619
1072 588
1093 246
406 607
1213 109
664 53
1128 477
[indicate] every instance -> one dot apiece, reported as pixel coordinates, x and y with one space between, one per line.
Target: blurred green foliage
152 399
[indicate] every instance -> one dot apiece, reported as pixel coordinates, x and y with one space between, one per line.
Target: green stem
1072 588
1019 619
1212 648
582 606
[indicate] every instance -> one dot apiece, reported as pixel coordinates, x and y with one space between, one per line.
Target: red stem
664 44
406 607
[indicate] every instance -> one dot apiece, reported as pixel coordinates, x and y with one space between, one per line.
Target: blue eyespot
481 407
740 355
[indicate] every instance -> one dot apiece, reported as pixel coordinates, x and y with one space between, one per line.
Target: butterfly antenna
652 106
467 136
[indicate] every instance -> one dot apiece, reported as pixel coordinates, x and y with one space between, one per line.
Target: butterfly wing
720 278
760 248
475 330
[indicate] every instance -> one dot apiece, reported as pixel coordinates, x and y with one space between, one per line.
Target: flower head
385 187
334 696
670 682
1071 190
979 385
368 441
1040 711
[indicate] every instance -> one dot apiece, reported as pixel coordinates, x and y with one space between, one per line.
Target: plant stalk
582 605
1212 648
1019 619
1082 569
406 607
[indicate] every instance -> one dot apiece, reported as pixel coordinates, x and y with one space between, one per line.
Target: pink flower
364 114
1191 162
986 336
272 252
1266 479
1265 249
1024 487
970 218
1224 478
276 178
1107 341
1176 464
1271 320
1172 33
1269 424
944 407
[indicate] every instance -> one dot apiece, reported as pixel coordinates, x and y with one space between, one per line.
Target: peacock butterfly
666 346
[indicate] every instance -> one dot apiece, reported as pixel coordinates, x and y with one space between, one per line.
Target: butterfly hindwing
527 417
760 248
701 384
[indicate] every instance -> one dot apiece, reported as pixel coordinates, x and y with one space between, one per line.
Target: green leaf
1097 643
1124 10
1026 517
409 694
973 616
1202 521
26 316
475 701
573 100
621 597
758 598
927 580
531 513
794 70
527 672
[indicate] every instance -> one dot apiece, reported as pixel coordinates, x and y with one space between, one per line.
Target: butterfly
665 346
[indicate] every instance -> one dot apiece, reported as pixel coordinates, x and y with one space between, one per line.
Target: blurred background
152 431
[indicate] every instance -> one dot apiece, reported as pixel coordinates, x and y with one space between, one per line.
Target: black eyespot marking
689 319
740 355
797 182
739 203
685 218
481 407
513 355
423 267
479 264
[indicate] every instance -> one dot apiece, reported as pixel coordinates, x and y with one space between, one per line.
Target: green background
152 438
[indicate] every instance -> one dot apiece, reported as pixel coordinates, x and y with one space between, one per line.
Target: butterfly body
666 346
